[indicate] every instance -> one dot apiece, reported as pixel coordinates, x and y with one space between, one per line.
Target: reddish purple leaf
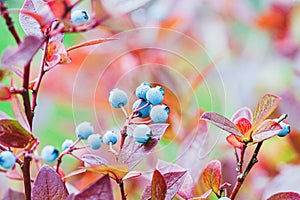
158 186
48 185
212 176
243 112
285 196
133 153
265 130
265 107
100 190
194 146
23 54
187 187
12 134
221 122
94 160
13 195
19 111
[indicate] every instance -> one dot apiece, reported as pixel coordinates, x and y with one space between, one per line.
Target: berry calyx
49 153
142 133
159 113
95 141
110 137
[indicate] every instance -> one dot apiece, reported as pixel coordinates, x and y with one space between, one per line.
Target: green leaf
158 186
212 175
12 134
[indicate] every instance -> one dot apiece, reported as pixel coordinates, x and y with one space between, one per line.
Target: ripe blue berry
286 129
7 159
117 98
95 141
110 137
66 144
79 16
84 130
142 133
49 153
142 89
155 95
159 113
143 113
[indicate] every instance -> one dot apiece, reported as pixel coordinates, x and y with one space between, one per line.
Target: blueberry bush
137 109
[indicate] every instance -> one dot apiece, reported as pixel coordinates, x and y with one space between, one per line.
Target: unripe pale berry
143 113
84 130
142 133
159 113
79 16
49 153
117 98
155 95
142 89
7 159
224 198
95 141
110 137
286 129
66 144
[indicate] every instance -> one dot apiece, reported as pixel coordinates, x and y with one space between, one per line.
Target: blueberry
117 98
142 133
49 153
159 113
155 95
79 16
142 89
95 141
7 159
66 144
286 129
145 111
84 130
110 137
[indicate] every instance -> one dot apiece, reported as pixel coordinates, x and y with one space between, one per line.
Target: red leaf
265 107
121 7
56 54
243 124
158 186
132 152
285 196
13 195
12 134
194 146
60 8
100 190
116 172
221 122
4 93
48 185
89 43
94 160
265 130
21 55
232 140
212 175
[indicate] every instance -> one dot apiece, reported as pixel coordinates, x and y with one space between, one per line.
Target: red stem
9 22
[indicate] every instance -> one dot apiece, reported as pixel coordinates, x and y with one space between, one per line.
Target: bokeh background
216 55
